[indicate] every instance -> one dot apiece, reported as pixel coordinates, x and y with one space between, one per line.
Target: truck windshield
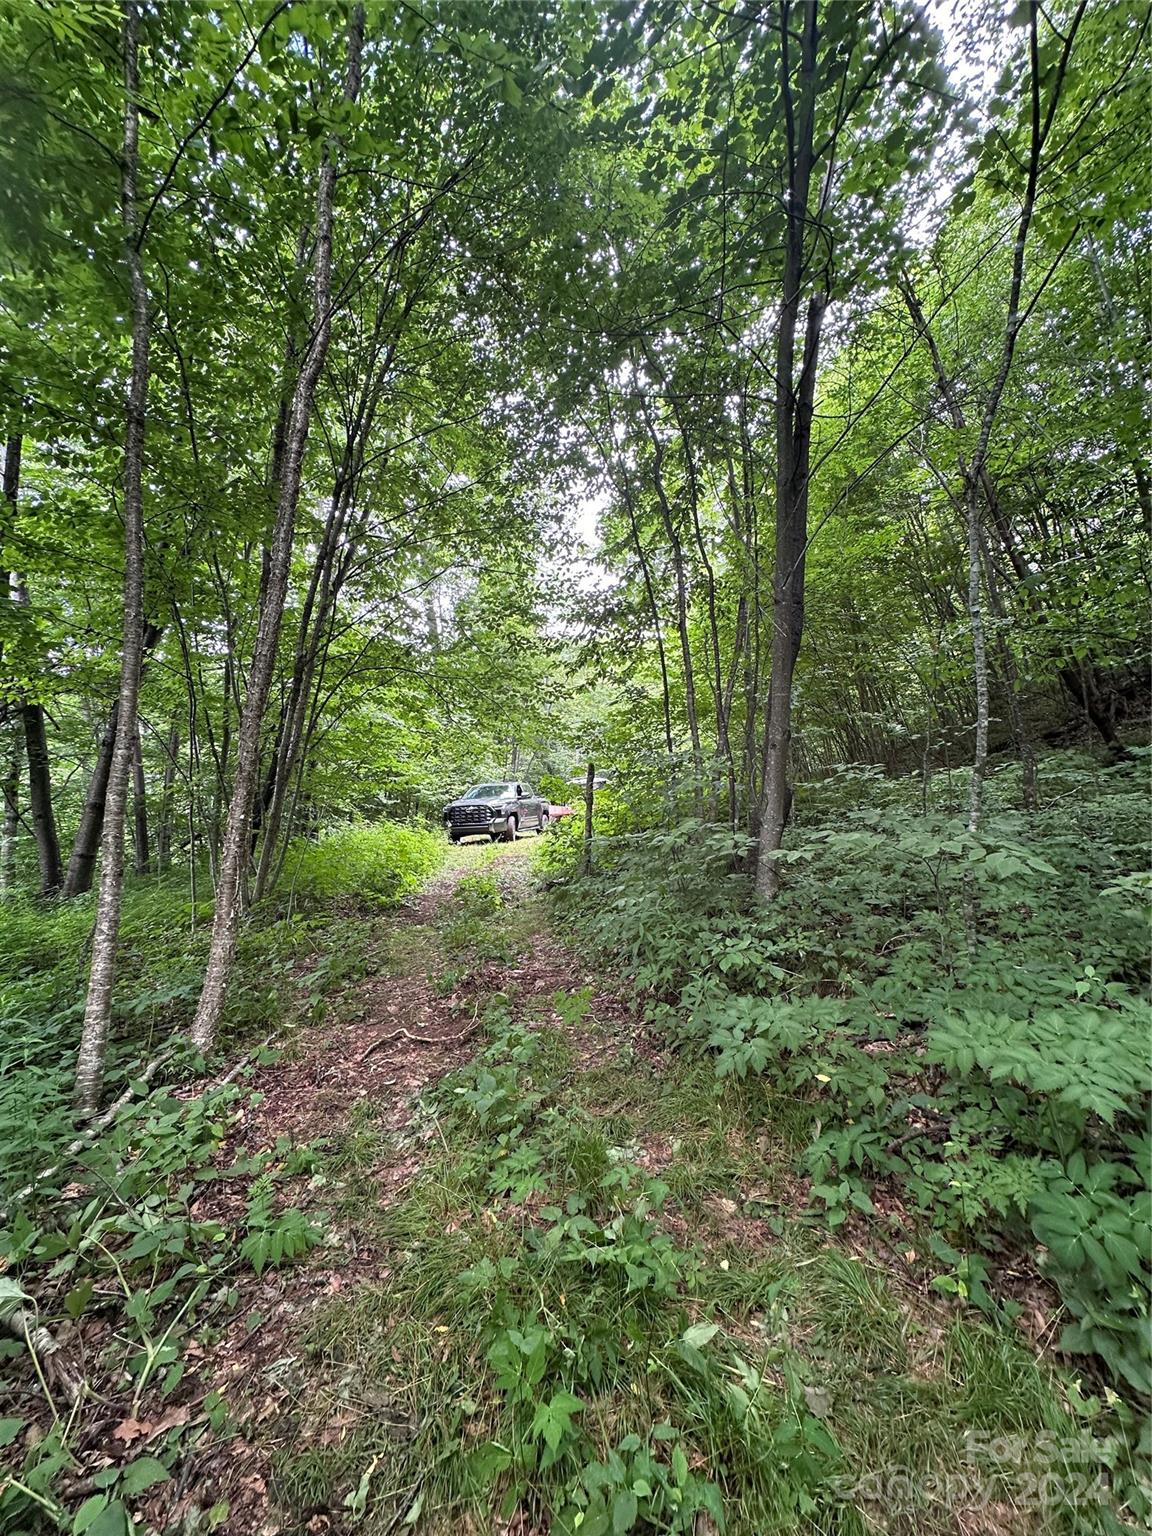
486 791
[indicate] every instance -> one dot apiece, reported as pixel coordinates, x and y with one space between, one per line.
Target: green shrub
996 1069
383 861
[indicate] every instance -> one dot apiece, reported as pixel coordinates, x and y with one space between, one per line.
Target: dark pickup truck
496 811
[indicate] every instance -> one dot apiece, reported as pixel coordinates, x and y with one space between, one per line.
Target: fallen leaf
129 1430
171 1418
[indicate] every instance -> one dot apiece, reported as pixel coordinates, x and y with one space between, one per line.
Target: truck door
529 805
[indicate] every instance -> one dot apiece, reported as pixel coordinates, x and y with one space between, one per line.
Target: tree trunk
676 549
979 653
98 1008
141 861
40 798
1020 737
164 824
589 793
86 844
795 403
32 716
235 850
10 790
342 531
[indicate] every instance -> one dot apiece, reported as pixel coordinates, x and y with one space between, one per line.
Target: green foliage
274 1236
124 1236
469 928
999 1083
285 971
1095 1219
383 862
592 1388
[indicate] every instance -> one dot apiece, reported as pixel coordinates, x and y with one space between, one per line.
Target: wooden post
589 789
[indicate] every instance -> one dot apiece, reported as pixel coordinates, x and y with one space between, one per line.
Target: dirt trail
386 1040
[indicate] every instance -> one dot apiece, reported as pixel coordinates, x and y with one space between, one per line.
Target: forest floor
481 1069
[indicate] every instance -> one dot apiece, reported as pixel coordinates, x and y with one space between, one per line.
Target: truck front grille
469 816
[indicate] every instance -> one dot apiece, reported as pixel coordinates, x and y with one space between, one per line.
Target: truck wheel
510 829
543 827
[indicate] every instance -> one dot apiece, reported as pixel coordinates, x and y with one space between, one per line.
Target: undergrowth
991 1074
108 1243
292 950
555 1348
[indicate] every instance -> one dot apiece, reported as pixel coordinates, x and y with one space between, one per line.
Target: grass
562 1334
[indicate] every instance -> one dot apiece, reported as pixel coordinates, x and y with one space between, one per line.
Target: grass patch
542 1344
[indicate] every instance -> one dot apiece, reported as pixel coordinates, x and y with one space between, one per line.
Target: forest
730 419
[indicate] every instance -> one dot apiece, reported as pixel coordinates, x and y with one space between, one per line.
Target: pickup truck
498 811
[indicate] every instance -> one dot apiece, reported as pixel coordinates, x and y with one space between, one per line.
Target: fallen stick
403 1034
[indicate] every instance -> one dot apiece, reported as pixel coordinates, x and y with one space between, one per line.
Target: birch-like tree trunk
974 469
98 1007
234 853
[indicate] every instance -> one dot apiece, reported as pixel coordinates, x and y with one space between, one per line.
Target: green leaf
9 1429
78 1298
11 1296
143 1473
553 1420
111 1521
624 1511
700 1334
92 1506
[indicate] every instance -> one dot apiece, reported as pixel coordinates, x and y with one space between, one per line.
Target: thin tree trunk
795 403
974 471
11 824
979 654
1020 737
329 572
234 855
723 743
98 1008
589 794
654 610
164 824
86 843
676 550
40 798
32 715
141 860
